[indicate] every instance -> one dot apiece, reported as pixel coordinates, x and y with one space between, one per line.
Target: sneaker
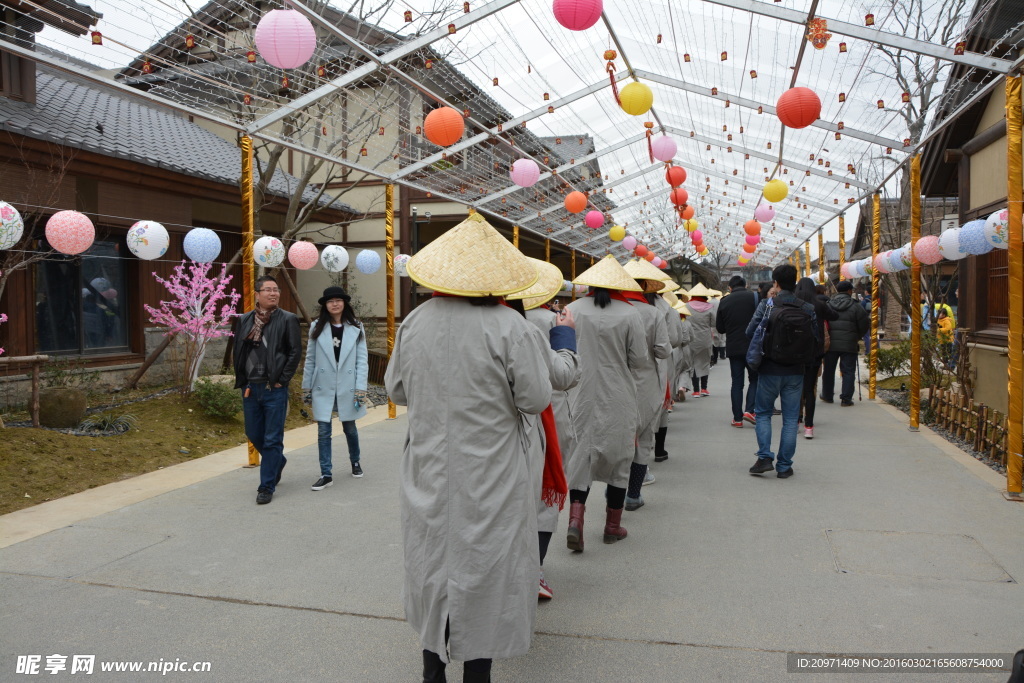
544 591
846 404
762 465
705 392
808 432
696 394
322 483
263 496
649 478
737 423
776 411
357 471
634 503
785 474
660 457
826 400
749 417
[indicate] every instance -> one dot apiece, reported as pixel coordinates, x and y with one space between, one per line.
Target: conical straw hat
683 309
641 269
609 274
699 290
671 286
671 298
472 259
681 294
546 287
716 293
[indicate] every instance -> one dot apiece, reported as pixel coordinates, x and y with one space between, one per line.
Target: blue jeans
264 409
789 388
738 365
323 442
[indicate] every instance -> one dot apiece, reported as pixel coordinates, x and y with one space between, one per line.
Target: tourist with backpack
790 343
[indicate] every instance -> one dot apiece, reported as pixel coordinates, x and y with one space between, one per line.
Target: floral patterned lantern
949 245
882 262
148 240
70 232
401 260
334 258
268 252
12 227
997 227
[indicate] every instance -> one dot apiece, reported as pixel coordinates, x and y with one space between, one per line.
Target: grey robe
652 373
469 483
666 367
701 325
684 362
611 342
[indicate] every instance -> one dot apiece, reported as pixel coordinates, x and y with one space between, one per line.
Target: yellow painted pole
1015 259
515 236
807 259
591 260
573 274
248 221
821 257
389 252
876 237
547 251
915 294
842 244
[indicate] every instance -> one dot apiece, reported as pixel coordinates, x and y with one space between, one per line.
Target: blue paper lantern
972 238
368 261
202 245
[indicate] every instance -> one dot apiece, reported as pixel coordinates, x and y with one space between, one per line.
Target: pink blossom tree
201 310
3 319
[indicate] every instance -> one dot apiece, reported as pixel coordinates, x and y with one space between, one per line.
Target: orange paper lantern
749 248
687 213
444 126
752 227
575 202
649 256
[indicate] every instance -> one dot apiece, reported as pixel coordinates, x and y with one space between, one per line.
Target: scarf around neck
260 318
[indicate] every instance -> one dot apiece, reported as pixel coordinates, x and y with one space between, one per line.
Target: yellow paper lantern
691 225
617 233
636 99
775 191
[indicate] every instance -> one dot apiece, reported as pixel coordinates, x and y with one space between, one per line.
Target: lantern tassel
610 68
650 147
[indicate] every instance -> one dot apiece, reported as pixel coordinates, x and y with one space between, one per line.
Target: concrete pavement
884 541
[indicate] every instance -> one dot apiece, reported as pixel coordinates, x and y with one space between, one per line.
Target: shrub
108 422
217 399
893 360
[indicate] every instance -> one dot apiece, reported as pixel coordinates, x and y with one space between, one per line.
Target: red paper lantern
752 227
675 175
798 107
575 202
687 213
679 196
640 251
444 126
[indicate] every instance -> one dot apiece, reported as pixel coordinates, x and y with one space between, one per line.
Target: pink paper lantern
303 255
764 213
664 148
882 262
657 262
927 250
70 232
525 172
844 271
753 240
577 15
594 219
285 38
696 236
629 243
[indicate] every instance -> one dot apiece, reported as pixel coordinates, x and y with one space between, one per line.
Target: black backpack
791 339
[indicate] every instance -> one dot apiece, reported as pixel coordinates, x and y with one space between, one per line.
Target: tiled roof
77 113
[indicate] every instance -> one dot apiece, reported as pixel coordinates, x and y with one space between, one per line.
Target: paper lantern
368 261
687 213
70 232
640 250
636 99
703 251
12 227
268 252
664 148
679 196
580 290
525 172
444 126
617 233
775 191
675 176
927 250
594 219
629 243
696 236
148 240
882 262
577 15
401 260
844 270
575 202
753 240
303 255
202 245
752 227
798 107
972 238
691 224
334 258
657 262
895 261
285 38
949 245
764 213
749 248
997 227
649 257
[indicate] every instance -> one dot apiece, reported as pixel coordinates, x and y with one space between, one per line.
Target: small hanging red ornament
842 97
465 7
839 136
380 131
250 56
769 145
428 64
97 38
830 173
821 161
686 57
869 19
842 47
850 168
147 67
729 137
547 96
451 29
960 47
362 152
905 97
760 110
408 15
714 91
817 33
881 104
659 39
725 55
190 41
840 125
906 142
419 130
494 80
247 99
465 112
551 110
323 130
753 74
321 71
888 150
285 82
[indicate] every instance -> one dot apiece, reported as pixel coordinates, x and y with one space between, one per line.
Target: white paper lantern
202 245
334 258
949 245
148 240
368 261
997 227
268 252
400 262
12 227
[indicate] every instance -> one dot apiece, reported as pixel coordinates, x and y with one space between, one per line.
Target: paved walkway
883 541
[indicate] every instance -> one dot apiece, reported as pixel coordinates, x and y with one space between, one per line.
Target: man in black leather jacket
734 314
268 346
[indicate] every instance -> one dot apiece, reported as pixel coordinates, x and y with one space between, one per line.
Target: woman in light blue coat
335 373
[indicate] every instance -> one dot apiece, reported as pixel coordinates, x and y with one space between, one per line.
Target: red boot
574 539
612 530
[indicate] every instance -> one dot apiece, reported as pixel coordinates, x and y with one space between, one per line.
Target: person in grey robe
702 324
684 362
668 371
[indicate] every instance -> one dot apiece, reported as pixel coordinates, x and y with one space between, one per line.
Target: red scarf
554 487
615 294
635 296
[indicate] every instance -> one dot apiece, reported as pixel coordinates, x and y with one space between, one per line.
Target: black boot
433 668
660 454
477 671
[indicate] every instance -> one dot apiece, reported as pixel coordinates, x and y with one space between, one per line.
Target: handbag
828 337
755 352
